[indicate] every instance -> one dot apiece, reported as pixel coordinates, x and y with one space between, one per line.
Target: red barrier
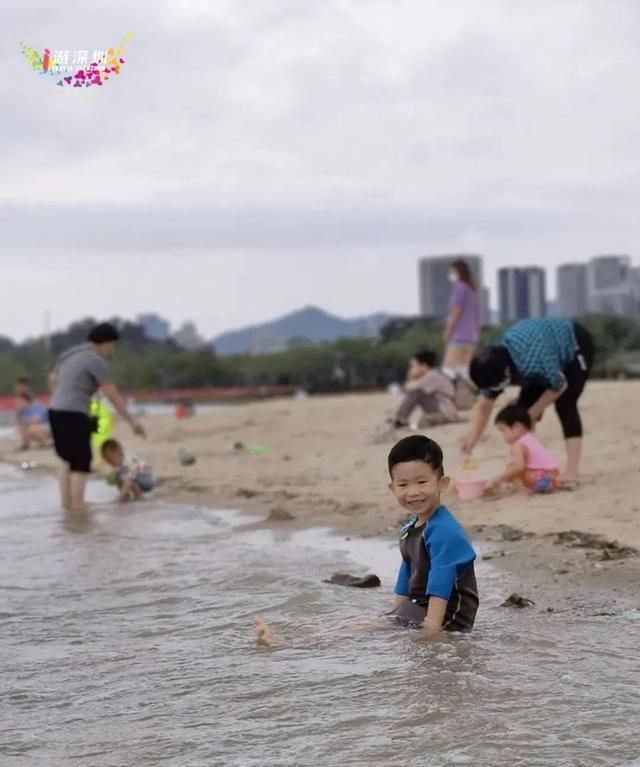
208 394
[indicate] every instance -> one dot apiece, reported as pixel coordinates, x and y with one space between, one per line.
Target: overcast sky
254 156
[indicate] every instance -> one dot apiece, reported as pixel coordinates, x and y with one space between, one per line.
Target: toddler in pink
532 466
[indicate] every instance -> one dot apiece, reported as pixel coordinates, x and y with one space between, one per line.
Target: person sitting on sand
429 389
32 419
133 478
532 467
436 586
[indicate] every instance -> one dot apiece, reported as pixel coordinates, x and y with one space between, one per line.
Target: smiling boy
436 587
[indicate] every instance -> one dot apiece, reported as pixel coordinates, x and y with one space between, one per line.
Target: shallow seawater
129 641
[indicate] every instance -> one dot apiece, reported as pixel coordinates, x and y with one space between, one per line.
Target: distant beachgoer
436 586
426 387
532 466
185 409
462 331
132 476
22 387
77 375
551 360
33 421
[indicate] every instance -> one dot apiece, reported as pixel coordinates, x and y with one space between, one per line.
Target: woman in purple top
462 330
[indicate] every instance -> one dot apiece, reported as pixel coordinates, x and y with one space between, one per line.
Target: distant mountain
308 325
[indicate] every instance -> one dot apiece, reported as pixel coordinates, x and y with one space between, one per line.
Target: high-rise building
523 293
155 326
609 285
435 288
572 290
634 277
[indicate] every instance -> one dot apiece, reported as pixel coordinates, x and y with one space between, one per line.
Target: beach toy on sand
186 458
257 449
470 489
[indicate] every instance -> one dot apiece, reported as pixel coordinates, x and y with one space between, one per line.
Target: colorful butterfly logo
106 64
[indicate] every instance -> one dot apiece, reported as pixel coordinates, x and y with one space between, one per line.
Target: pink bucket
470 489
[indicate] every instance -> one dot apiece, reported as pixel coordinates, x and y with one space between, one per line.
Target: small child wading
133 478
436 587
532 467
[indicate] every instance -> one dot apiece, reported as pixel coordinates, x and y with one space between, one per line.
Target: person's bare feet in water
79 508
264 635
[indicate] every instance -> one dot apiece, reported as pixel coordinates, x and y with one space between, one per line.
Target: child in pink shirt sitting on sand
532 466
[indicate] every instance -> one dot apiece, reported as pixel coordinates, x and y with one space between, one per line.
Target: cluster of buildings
607 284
159 329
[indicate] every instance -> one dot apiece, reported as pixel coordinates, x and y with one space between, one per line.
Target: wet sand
318 463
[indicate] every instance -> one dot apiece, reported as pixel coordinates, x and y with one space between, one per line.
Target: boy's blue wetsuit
437 560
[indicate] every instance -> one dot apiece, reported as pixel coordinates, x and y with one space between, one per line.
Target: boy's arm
402 585
449 551
435 615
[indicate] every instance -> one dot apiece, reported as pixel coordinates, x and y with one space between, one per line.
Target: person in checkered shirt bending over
551 360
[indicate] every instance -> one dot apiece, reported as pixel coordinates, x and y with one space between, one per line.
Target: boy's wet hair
426 357
417 448
513 414
109 444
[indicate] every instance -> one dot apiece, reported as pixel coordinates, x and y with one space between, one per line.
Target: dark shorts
72 438
409 615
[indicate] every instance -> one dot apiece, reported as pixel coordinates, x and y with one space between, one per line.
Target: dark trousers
577 374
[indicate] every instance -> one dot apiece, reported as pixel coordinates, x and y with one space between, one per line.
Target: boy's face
416 368
114 456
511 434
417 486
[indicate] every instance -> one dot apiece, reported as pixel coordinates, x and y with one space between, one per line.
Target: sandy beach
321 465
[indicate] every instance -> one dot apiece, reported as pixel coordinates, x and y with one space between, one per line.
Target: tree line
352 363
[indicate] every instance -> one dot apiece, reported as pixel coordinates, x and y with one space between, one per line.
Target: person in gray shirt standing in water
78 374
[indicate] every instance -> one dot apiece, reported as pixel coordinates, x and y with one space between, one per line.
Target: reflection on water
128 639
